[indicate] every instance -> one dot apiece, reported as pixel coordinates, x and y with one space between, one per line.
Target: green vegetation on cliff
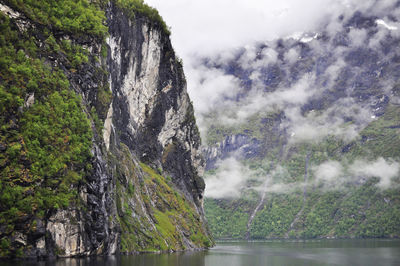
153 215
138 6
76 17
45 138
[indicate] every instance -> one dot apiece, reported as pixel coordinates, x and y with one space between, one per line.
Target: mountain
306 144
100 152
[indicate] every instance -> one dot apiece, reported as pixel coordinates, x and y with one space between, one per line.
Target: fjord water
276 252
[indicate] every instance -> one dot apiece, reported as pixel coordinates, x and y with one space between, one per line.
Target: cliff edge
100 148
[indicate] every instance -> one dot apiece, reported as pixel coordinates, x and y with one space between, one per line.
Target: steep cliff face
151 116
140 188
151 112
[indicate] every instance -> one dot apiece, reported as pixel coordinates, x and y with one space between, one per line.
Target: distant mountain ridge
313 131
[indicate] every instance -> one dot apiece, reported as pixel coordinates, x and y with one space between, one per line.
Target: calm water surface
309 252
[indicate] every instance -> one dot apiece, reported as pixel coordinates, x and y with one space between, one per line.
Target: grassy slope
153 215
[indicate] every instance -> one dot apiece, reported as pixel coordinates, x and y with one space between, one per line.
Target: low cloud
233 177
335 174
328 171
229 180
211 87
292 56
358 37
315 125
210 26
384 170
257 101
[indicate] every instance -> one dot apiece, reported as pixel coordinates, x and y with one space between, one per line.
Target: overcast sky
210 26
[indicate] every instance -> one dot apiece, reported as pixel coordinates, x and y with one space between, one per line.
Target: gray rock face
152 115
239 145
151 110
65 233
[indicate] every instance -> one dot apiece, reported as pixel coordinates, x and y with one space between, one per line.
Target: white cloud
328 171
292 56
210 86
232 177
210 26
271 56
296 95
248 58
357 37
314 126
384 170
334 174
229 180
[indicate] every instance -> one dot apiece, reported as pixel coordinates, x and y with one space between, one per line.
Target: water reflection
167 259
314 252
181 258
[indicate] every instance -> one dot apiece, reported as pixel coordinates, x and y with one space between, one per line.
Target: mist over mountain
302 132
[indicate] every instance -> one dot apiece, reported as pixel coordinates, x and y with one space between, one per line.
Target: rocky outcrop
241 146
